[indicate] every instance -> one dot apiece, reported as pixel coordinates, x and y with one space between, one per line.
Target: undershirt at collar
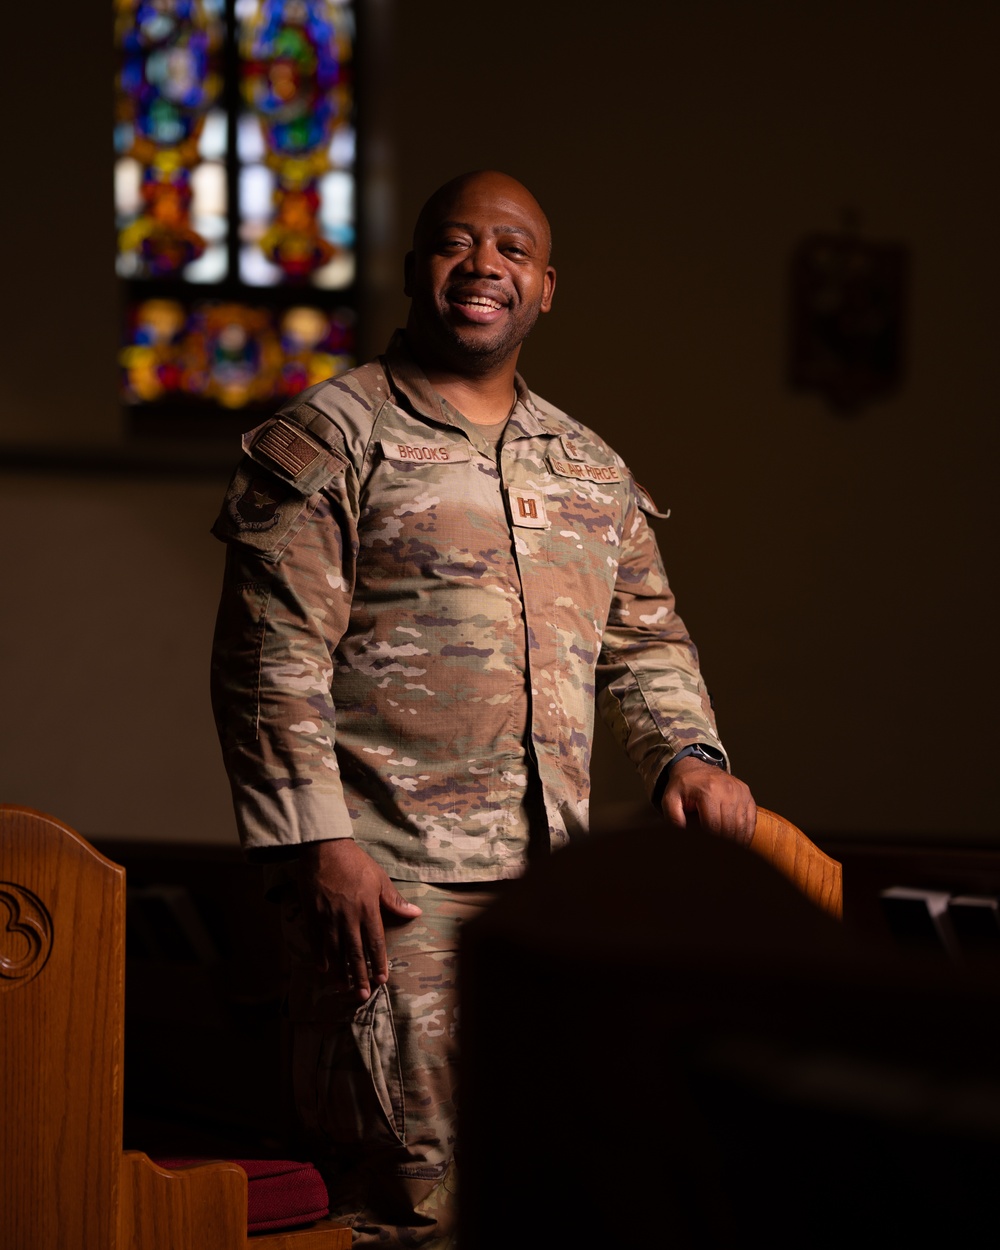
486 438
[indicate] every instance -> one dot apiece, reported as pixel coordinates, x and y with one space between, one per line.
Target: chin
489 348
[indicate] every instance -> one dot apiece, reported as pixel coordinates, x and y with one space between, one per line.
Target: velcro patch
585 470
256 508
424 453
571 447
527 508
288 447
260 511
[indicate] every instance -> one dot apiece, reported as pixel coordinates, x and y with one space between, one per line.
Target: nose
483 259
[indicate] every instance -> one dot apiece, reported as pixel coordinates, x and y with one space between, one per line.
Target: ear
409 260
548 289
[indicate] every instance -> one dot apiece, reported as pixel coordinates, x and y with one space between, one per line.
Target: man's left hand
719 802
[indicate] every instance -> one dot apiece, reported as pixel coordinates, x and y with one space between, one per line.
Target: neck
482 392
483 405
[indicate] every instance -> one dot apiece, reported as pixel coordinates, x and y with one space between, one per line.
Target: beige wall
835 572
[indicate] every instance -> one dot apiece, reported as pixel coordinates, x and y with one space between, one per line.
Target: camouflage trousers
375 1086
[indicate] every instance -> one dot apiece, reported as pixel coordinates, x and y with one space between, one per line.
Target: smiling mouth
479 301
478 309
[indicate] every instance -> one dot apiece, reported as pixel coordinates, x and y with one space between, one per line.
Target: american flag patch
289 447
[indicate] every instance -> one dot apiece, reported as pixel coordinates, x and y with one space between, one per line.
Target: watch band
700 750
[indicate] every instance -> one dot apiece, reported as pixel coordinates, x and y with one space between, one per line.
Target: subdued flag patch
288 447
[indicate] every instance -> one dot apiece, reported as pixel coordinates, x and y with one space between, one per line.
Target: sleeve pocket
261 511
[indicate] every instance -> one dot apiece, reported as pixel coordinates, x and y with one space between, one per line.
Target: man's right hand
343 893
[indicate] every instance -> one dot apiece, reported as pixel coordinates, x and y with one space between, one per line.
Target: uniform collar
410 381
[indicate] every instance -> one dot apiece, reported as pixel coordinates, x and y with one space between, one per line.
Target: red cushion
280 1193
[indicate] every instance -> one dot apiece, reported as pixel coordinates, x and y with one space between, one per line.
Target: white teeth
482 301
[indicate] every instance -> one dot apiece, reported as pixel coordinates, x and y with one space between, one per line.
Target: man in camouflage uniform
433 577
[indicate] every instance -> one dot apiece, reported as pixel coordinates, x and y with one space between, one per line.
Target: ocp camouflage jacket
409 630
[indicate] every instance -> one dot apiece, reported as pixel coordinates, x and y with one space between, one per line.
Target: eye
452 243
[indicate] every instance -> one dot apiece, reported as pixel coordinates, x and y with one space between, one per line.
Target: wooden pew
797 857
65 1182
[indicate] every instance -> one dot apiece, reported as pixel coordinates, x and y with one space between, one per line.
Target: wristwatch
702 751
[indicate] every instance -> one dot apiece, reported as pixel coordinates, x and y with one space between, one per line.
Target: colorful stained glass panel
235 197
297 139
169 86
231 353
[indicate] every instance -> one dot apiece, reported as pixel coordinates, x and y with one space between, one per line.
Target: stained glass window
236 202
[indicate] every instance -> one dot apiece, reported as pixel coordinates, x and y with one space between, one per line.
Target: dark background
835 570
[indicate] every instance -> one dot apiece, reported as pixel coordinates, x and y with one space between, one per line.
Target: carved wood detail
25 937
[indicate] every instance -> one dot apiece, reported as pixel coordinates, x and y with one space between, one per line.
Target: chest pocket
410 474
583 494
592 481
422 497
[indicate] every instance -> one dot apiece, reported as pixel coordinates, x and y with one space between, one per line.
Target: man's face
479 272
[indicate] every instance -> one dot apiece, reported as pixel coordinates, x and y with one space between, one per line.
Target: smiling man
434 577
477 288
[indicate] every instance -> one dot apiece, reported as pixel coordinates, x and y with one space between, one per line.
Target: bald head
488 184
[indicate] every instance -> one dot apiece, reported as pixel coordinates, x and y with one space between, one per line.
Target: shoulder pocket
260 511
275 487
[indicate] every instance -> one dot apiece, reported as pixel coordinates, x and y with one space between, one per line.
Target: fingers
673 808
733 814
393 901
355 941
343 892
348 946
358 947
721 803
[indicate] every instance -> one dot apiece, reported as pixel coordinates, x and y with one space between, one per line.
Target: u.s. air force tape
585 470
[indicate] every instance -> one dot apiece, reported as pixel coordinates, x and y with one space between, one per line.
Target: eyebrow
465 225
